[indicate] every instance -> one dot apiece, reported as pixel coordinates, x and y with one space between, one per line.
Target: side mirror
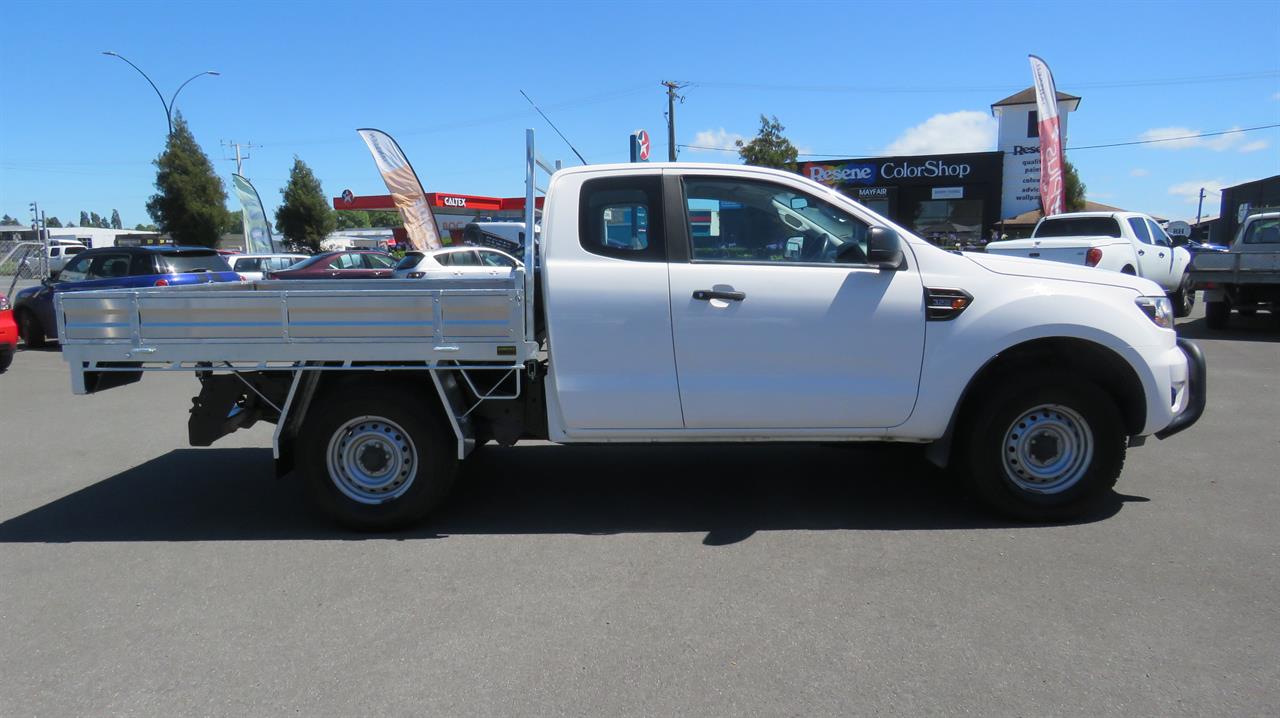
884 248
53 276
1180 241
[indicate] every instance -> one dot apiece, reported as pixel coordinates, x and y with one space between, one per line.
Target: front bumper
1197 390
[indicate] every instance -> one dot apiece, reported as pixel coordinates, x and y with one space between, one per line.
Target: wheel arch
1096 362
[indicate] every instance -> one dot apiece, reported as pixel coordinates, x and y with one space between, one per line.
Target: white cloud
963 131
716 140
1185 139
1138 172
1189 192
1276 96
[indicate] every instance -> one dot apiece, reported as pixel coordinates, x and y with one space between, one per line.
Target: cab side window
109 266
76 270
1140 230
1158 236
621 217
732 220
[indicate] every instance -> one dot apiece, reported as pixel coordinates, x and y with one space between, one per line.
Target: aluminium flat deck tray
298 320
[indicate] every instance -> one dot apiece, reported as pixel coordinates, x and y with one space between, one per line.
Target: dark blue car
115 268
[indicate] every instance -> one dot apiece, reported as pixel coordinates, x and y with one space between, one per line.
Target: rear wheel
1216 314
376 463
1043 447
6 357
31 330
1184 300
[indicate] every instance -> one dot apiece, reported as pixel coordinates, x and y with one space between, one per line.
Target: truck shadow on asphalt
1260 327
727 493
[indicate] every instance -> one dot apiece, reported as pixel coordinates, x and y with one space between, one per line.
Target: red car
348 264
8 334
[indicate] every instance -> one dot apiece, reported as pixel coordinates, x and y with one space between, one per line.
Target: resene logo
848 173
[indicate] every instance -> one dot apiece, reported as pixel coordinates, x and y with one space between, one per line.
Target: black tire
417 431
1184 300
986 442
1216 314
6 358
31 330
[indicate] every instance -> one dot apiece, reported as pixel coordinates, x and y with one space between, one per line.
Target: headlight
1157 309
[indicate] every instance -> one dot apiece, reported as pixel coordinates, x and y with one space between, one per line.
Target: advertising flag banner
419 222
1052 189
257 230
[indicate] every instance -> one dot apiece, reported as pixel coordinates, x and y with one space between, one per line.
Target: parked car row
128 267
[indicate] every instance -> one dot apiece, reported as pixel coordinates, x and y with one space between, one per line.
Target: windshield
194 261
1078 227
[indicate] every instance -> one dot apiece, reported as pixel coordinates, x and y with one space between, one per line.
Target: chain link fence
21 263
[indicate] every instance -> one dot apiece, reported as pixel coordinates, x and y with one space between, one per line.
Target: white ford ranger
673 303
1126 242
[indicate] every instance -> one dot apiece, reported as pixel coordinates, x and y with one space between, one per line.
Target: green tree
95 220
53 222
115 220
190 202
768 148
84 219
385 219
1073 188
146 228
8 220
305 217
352 219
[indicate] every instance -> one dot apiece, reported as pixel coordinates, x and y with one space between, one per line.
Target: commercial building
954 198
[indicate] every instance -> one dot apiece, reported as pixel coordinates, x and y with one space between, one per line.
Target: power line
1081 147
899 89
557 129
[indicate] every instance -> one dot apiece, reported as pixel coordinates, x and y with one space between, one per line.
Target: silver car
253 266
455 262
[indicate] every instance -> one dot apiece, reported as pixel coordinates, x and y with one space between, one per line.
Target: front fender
996 321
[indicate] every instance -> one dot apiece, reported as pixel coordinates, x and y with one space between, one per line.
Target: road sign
642 140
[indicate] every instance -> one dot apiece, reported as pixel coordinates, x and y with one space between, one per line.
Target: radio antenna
557 129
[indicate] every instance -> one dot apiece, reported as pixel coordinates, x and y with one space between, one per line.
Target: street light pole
168 106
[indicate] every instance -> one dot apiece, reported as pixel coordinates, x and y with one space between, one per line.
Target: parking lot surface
139 576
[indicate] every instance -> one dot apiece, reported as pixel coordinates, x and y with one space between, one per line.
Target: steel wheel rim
1047 449
372 460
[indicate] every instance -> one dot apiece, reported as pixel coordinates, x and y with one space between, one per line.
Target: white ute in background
672 302
1125 242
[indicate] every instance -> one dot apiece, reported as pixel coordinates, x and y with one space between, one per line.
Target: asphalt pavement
141 577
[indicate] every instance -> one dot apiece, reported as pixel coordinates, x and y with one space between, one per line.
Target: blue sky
78 130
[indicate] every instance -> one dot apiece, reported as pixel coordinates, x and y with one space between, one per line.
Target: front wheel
31 330
376 463
1184 300
1044 447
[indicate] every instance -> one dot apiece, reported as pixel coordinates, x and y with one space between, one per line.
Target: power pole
239 159
1200 207
671 115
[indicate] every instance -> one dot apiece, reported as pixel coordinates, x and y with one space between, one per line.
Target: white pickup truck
673 303
1126 242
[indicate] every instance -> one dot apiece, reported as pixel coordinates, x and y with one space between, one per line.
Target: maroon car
348 264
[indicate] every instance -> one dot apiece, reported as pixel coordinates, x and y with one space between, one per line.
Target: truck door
779 322
1153 260
608 305
1164 255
